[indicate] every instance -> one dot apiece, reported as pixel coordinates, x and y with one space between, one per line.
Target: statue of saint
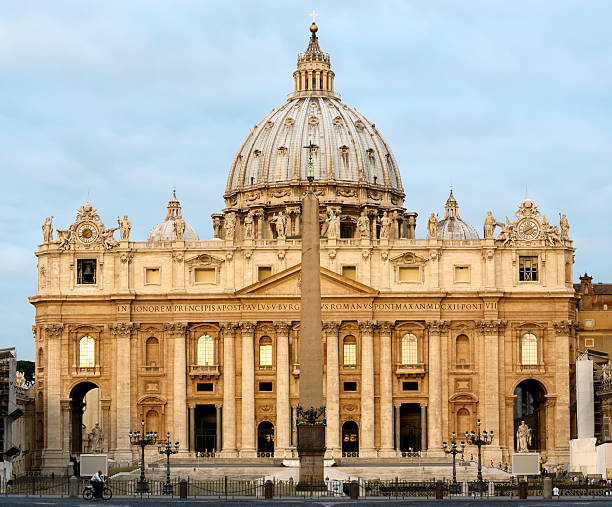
332 230
432 227
179 228
606 371
489 226
280 221
385 226
98 438
523 438
47 230
217 227
363 224
249 231
126 228
230 226
564 225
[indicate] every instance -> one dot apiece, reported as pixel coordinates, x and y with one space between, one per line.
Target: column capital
331 327
437 326
367 326
386 327
228 328
282 327
53 330
490 326
248 328
176 329
123 329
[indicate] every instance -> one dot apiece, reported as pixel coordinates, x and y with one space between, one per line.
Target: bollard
268 490
523 490
183 489
354 490
73 487
547 488
439 490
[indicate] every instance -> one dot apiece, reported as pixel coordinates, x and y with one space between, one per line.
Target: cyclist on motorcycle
97 482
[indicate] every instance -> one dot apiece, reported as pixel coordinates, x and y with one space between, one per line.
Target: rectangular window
265 354
263 272
86 271
349 272
408 273
204 275
350 354
350 386
410 386
528 269
265 387
462 274
152 276
206 387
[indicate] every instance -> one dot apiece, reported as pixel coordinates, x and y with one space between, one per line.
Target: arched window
86 352
265 351
152 351
408 349
462 351
529 349
349 351
206 351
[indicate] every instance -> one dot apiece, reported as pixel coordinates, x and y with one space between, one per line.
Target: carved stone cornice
367 326
123 329
175 329
386 328
53 330
331 328
248 328
564 326
282 327
437 326
490 326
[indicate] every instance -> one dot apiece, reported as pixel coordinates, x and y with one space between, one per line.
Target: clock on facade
87 232
529 229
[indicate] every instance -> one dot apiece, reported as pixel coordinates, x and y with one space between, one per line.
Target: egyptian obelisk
311 411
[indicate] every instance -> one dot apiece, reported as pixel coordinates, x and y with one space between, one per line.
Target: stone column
332 404
562 330
176 331
122 332
192 429
423 427
228 329
105 404
219 437
66 424
434 426
386 391
248 449
396 414
366 434
281 446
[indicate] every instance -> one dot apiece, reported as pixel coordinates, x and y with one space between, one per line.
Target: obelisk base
311 451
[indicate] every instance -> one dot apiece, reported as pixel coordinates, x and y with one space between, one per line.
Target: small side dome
452 226
167 229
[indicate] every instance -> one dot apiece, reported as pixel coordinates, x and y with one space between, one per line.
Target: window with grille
86 352
529 350
206 351
528 269
265 351
409 349
349 351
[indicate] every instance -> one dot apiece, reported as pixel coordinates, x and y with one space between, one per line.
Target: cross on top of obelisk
313 15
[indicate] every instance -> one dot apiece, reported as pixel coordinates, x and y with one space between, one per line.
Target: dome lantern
173 227
452 226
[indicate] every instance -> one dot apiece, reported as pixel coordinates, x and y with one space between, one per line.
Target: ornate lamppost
479 440
454 450
167 449
143 439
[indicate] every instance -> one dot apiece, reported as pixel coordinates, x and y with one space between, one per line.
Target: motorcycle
105 493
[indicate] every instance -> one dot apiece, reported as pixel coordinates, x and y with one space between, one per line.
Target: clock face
529 229
87 232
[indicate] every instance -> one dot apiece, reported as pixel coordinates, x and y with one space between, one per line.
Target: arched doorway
84 397
265 439
350 439
530 406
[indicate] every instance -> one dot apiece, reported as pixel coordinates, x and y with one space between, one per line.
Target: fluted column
282 429
248 449
122 332
176 331
332 404
228 329
366 439
386 391
434 422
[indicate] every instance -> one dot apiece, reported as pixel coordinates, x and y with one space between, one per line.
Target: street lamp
142 439
479 440
454 450
167 449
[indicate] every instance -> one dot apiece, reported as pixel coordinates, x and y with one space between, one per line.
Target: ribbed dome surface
455 228
348 147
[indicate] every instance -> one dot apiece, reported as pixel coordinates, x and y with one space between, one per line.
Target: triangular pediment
289 281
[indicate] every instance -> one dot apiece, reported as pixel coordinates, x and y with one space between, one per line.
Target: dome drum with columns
355 170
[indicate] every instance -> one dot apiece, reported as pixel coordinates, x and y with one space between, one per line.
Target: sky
119 101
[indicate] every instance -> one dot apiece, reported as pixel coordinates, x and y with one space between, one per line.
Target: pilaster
386 391
366 440
282 429
248 449
228 330
563 329
435 423
176 331
332 405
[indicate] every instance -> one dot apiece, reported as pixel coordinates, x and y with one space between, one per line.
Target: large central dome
354 169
